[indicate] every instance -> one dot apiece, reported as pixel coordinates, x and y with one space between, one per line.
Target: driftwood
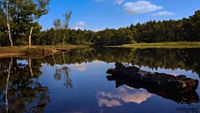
178 88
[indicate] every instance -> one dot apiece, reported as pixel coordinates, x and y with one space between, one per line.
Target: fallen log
178 88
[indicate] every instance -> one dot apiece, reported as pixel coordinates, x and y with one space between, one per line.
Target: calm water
76 82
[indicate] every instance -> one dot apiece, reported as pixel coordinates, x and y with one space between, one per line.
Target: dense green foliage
24 14
173 30
72 37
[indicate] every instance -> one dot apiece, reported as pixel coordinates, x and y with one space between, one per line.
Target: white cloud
141 7
164 13
80 25
119 2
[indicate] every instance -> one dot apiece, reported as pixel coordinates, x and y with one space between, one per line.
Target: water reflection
64 70
123 95
22 92
189 109
81 67
179 97
7 83
45 84
153 58
178 88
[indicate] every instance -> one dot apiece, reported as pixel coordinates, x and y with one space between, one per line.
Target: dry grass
161 45
23 50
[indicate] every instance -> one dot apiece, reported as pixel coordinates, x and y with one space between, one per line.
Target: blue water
82 86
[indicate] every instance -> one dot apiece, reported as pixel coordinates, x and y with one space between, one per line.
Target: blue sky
100 14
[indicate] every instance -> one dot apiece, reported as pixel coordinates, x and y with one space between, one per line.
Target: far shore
44 50
160 45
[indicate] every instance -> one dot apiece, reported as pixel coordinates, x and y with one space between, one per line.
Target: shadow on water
179 89
21 90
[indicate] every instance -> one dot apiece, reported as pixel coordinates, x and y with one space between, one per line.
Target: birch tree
8 23
66 25
57 26
21 17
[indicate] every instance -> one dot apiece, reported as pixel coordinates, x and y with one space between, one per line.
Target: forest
23 20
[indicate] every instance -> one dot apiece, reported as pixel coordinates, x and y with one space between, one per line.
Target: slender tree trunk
8 23
29 39
30 65
68 83
7 83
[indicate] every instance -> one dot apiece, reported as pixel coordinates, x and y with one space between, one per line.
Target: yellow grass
21 50
161 45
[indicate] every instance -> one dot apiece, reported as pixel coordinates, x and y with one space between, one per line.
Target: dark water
76 82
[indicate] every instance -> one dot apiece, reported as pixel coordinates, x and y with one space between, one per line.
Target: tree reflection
20 92
153 58
30 65
164 58
64 70
7 83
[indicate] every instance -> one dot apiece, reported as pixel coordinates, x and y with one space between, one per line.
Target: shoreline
45 50
35 51
169 45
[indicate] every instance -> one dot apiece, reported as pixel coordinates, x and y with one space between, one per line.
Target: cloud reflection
122 96
81 67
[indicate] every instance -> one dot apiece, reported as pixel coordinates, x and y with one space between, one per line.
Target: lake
76 82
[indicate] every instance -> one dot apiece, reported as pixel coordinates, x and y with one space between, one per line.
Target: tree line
185 29
19 26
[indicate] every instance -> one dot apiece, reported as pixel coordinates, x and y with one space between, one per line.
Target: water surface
76 82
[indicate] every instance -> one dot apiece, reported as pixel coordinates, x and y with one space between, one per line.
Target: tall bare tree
57 26
66 26
8 22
